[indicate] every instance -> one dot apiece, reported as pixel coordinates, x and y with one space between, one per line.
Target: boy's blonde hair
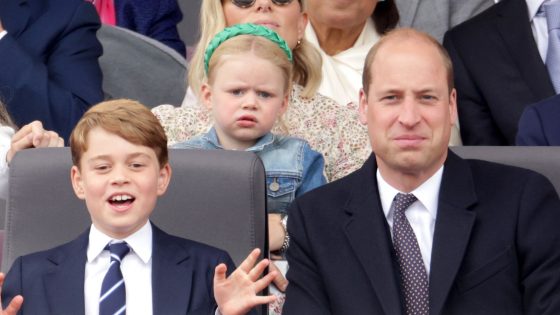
259 47
307 61
125 118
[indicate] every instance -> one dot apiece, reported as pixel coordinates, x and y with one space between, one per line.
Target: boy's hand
237 294
15 303
33 135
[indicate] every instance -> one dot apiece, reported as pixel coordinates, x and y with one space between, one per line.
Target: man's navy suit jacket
52 281
49 68
157 19
498 72
540 123
496 245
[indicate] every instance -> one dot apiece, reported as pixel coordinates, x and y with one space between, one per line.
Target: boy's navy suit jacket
52 281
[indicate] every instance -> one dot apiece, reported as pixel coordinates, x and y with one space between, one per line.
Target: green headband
244 29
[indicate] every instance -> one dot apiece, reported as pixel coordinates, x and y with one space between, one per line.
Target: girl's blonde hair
307 61
259 47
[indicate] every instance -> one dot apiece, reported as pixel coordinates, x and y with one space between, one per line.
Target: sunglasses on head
249 3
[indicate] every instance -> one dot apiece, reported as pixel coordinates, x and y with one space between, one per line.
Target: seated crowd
350 111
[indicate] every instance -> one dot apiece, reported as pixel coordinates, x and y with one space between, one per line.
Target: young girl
249 80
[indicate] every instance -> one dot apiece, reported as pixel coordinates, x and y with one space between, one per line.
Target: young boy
119 152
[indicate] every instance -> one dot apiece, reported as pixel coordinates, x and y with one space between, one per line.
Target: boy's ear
77 183
206 95
163 179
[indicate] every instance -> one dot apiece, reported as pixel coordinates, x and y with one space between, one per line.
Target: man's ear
453 107
164 178
77 182
363 108
206 95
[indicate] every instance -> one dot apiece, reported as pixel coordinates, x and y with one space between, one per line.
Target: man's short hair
403 34
127 119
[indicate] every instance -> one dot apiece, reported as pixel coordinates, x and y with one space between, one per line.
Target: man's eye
428 97
389 98
237 92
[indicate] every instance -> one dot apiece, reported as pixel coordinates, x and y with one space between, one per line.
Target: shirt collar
427 193
140 242
212 137
533 7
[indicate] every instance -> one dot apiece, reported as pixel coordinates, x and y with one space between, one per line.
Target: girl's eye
264 94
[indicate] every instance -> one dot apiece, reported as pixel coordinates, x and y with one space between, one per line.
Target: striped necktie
112 300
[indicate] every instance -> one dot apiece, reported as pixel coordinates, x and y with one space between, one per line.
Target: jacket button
274 186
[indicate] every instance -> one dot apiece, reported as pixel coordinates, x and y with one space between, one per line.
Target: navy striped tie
112 300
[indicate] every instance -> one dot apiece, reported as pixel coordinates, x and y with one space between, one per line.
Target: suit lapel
64 283
172 275
513 25
368 234
453 229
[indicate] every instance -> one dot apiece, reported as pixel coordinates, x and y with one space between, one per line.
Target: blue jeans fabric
292 167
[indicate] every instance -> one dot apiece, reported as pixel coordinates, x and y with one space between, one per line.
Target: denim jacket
292 167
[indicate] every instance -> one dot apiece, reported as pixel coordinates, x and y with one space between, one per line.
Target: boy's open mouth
121 200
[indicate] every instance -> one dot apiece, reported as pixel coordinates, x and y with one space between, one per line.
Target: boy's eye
136 165
102 167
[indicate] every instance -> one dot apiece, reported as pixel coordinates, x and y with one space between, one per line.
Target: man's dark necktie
414 278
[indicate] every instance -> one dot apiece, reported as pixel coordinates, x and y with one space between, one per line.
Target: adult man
48 61
481 237
498 58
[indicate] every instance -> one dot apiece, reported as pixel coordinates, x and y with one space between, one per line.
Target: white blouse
342 73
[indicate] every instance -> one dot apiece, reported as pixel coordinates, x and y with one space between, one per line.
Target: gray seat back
216 197
138 67
544 160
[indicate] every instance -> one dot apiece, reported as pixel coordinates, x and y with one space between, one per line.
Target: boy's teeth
121 198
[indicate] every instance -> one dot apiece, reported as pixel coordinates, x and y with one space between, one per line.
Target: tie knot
552 14
402 202
118 250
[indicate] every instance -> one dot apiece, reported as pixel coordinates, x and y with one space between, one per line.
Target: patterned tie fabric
414 278
112 299
552 13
